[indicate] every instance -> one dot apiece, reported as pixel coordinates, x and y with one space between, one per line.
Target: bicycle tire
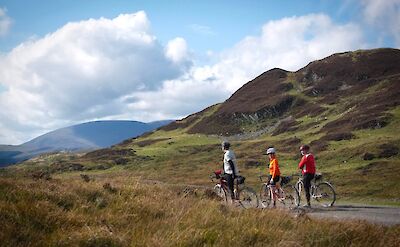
290 198
248 198
324 194
221 193
265 196
299 187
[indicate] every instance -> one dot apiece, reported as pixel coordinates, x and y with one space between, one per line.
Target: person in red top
274 173
307 166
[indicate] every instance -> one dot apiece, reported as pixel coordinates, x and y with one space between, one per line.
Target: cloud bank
117 69
80 72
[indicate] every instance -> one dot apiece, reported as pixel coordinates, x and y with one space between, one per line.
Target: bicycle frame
287 194
245 196
315 193
222 183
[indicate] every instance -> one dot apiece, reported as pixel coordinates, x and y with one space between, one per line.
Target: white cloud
177 50
289 43
384 14
116 69
5 22
81 70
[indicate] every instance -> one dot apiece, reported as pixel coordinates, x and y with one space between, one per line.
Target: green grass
178 157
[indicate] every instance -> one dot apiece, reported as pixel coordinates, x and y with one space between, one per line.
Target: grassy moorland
182 158
119 210
350 115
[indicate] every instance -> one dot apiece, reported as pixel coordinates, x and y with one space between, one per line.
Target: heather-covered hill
364 83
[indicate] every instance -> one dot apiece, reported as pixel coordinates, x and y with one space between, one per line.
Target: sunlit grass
67 211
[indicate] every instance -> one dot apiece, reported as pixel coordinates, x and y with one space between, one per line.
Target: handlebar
213 177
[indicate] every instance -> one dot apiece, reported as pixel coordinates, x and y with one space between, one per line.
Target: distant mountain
81 137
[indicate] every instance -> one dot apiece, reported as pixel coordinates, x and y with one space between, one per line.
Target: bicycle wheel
324 194
248 198
299 187
290 197
221 193
265 196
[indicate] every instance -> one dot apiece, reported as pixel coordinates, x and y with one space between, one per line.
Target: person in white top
230 168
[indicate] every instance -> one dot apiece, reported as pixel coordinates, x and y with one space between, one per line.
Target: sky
67 62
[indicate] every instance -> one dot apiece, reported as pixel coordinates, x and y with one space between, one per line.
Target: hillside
320 89
135 193
346 106
81 137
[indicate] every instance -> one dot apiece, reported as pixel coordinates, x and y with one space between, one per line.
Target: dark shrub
368 156
388 150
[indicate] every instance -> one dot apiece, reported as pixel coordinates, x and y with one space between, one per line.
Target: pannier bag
240 179
285 180
218 174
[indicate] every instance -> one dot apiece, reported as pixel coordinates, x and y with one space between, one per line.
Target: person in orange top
274 173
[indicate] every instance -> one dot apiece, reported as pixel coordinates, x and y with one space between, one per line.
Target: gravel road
373 214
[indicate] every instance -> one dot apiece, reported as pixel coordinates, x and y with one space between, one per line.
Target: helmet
271 151
225 145
304 148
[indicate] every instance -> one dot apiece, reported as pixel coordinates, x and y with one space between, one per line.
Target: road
374 214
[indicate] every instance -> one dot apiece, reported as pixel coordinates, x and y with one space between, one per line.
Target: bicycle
287 196
322 192
245 196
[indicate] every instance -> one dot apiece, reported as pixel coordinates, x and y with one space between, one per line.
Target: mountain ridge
277 94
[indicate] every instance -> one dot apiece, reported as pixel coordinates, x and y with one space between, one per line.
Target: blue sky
66 62
224 22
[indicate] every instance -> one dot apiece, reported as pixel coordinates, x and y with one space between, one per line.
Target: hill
81 137
320 89
346 106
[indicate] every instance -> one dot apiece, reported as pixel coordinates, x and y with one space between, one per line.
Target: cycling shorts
277 179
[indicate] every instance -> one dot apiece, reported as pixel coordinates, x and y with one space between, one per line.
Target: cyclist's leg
273 188
229 181
277 182
307 177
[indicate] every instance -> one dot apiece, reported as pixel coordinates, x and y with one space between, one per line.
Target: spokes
265 196
290 196
325 194
247 198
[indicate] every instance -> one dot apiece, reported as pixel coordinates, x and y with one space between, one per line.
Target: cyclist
229 167
307 166
274 173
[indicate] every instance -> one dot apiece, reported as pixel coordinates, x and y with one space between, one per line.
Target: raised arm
302 162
